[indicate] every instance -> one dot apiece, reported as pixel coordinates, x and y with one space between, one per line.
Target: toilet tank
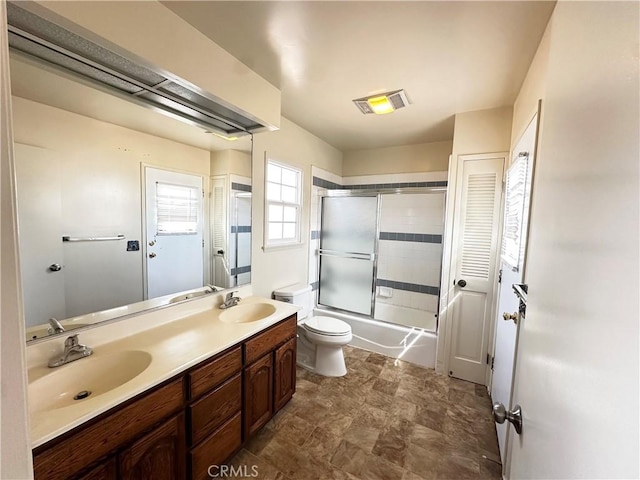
297 294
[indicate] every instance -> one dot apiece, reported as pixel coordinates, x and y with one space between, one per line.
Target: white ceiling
450 57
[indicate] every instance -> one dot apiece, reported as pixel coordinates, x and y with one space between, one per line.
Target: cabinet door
285 374
105 470
160 454
258 396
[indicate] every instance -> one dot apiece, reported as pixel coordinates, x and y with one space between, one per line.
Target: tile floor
385 420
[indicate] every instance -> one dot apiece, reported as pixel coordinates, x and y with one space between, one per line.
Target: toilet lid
327 326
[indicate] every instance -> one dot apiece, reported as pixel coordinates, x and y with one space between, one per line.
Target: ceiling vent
382 103
46 41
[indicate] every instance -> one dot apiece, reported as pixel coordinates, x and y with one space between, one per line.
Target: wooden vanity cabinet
258 391
159 455
104 470
269 374
215 412
68 455
179 429
284 380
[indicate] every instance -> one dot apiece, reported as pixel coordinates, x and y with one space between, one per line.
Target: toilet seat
328 326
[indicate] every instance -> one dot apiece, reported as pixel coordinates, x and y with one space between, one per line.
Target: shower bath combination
379 266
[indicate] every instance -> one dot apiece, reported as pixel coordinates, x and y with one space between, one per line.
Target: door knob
500 414
55 267
511 316
462 283
152 255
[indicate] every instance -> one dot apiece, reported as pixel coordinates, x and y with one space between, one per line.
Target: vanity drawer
265 342
213 409
217 448
203 379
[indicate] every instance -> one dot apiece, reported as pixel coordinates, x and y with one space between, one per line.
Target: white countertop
175 345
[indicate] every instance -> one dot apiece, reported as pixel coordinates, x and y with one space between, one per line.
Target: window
177 209
282 216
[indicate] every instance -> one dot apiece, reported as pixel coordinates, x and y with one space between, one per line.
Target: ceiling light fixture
382 103
224 137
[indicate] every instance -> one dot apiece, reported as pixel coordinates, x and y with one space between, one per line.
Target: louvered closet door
219 257
476 232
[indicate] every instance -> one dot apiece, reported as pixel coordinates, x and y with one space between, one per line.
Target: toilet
320 338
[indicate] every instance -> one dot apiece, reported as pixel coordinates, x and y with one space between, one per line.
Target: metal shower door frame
370 193
352 193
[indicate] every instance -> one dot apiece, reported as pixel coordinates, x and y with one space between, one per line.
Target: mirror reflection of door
219 247
39 223
240 244
174 228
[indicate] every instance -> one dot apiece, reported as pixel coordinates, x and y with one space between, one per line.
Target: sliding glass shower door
348 253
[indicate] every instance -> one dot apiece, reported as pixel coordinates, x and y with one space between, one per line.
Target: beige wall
532 90
482 131
224 162
293 145
424 157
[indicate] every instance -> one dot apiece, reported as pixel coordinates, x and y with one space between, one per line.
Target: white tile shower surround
403 298
417 213
410 262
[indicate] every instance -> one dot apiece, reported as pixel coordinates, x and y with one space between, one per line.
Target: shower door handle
355 255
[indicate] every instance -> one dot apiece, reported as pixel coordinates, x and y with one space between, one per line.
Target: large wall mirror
120 208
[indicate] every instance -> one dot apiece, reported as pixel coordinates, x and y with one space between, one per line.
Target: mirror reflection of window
176 209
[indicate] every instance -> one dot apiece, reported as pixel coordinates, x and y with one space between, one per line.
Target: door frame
449 263
206 250
537 117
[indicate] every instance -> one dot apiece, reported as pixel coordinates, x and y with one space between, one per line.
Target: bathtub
406 343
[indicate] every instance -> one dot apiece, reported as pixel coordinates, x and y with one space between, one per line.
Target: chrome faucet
55 326
73 350
230 300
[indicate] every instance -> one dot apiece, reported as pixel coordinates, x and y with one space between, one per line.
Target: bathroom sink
250 312
85 379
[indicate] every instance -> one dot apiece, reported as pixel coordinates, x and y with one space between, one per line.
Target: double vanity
171 399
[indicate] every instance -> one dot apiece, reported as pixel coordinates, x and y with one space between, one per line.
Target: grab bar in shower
356 255
67 238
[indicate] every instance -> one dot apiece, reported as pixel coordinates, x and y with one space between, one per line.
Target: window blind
516 195
176 209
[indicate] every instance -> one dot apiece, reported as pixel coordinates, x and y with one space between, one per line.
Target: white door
174 228
39 223
577 371
477 214
515 227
